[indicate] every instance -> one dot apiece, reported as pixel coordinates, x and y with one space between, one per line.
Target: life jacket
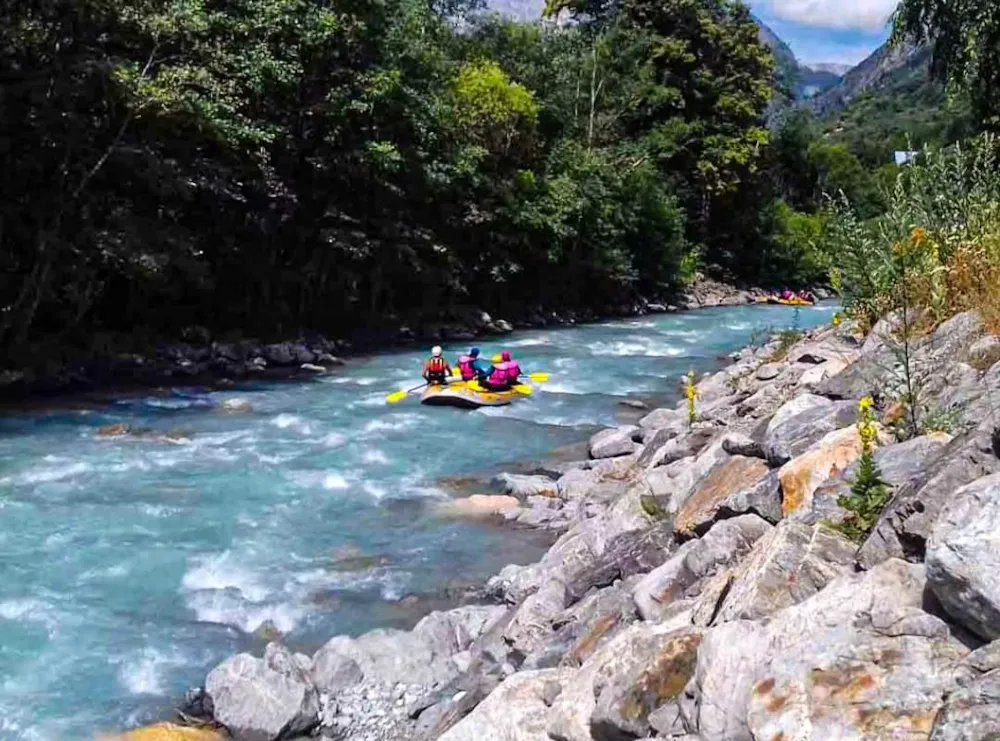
499 375
436 367
513 371
465 367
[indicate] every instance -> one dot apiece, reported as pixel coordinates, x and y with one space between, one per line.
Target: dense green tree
966 40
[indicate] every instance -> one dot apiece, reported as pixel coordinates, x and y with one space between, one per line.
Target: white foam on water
374 490
48 474
375 457
648 347
143 674
220 572
285 421
392 422
30 610
334 481
226 608
157 510
333 440
111 572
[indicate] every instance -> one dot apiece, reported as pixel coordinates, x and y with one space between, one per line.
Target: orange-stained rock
802 476
731 477
167 732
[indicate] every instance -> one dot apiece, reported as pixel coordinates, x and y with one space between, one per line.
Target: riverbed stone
478 505
524 487
903 529
263 699
517 710
613 442
675 485
665 419
762 499
859 659
787 565
666 446
533 618
972 712
963 557
736 474
802 422
722 546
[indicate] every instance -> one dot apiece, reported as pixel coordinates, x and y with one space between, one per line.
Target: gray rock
665 419
971 713
533 618
514 711
762 499
761 403
904 527
737 444
576 484
584 628
963 558
769 371
803 421
681 479
282 353
665 447
729 478
628 698
859 659
263 699
523 487
985 351
571 714
613 442
424 655
720 547
788 565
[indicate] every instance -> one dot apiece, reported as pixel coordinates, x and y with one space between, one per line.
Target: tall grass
935 250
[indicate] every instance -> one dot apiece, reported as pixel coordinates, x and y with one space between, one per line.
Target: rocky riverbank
199 358
700 588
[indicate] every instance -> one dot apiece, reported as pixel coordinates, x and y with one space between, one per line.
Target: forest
264 167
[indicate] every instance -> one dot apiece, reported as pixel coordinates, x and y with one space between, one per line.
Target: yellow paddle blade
539 377
396 396
523 389
474 386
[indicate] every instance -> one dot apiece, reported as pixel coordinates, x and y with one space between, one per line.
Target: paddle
402 394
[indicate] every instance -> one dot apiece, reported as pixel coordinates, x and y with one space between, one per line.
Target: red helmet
505 356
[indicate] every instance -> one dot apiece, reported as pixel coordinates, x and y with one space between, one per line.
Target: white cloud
852 15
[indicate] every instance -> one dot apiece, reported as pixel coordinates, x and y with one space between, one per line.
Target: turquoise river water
130 566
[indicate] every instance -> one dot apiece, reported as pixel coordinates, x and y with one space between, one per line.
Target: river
129 566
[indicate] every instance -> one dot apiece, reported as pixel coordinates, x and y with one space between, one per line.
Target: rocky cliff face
700 589
880 70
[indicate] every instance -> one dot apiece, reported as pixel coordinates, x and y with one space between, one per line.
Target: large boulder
903 529
898 464
972 712
722 546
665 447
613 442
628 651
424 656
859 659
762 499
517 710
733 476
584 628
963 557
802 476
802 422
533 619
628 698
673 485
263 699
674 420
788 565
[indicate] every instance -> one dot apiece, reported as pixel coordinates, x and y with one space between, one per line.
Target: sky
844 31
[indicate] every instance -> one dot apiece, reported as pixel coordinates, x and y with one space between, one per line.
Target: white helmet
436 351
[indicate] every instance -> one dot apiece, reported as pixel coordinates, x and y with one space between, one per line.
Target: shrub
869 492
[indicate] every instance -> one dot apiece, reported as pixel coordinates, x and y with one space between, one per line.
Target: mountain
795 81
886 67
